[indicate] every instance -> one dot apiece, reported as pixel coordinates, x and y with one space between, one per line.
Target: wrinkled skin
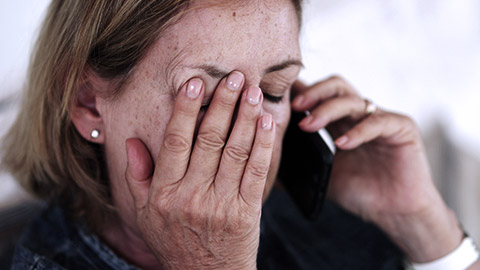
189 181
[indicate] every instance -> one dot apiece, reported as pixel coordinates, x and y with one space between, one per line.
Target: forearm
427 235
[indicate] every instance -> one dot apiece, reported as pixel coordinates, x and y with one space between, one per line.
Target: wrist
426 235
464 256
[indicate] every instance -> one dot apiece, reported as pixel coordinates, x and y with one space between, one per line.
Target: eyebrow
217 73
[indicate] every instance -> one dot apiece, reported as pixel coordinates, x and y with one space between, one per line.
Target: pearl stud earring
95 133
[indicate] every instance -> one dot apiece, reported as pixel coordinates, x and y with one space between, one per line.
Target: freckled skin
251 40
262 34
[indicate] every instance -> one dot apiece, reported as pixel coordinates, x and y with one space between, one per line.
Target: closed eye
272 98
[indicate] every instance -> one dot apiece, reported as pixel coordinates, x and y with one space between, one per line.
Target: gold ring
370 107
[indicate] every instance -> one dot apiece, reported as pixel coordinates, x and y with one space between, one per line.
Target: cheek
136 114
152 124
144 118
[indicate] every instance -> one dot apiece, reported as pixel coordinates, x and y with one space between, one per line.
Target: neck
128 245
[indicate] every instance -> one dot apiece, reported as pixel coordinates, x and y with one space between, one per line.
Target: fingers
333 86
214 128
174 154
139 171
238 148
256 171
298 88
333 110
393 128
329 101
333 100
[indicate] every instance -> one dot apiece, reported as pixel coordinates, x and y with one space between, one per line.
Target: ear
85 115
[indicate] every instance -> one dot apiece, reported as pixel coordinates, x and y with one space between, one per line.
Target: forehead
248 37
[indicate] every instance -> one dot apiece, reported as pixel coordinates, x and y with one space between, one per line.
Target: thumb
139 171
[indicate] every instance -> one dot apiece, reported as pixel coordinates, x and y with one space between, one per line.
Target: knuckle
355 99
342 85
226 101
162 205
171 203
238 218
408 121
221 213
210 140
336 78
357 131
378 119
389 119
191 212
375 120
176 143
356 105
258 170
236 153
242 224
266 144
250 115
409 124
186 109
164 196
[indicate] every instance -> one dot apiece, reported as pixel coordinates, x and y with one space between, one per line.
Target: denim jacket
337 240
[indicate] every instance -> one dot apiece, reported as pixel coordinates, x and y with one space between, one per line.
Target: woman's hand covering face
380 171
202 204
191 172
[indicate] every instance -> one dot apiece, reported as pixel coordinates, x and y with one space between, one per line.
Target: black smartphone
305 167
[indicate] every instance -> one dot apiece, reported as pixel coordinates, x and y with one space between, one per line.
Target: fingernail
267 121
253 95
341 141
298 101
306 121
193 88
234 80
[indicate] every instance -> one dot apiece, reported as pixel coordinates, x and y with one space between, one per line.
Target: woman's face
259 39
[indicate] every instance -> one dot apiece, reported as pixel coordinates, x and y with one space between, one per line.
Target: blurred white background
421 58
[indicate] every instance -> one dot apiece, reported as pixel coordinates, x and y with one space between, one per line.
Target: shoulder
40 241
26 259
52 241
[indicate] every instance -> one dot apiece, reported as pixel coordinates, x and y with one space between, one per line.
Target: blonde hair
43 150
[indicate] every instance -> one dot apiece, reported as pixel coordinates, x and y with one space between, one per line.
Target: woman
154 128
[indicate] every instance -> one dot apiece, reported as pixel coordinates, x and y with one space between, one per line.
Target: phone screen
305 167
